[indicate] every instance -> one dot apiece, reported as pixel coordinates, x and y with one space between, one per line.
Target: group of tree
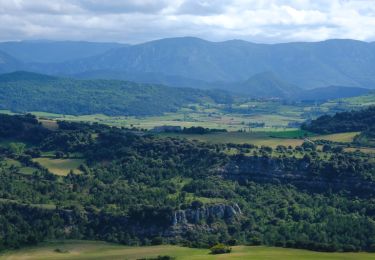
353 121
131 185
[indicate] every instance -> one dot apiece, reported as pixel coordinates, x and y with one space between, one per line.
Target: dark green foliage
131 186
366 137
220 249
25 128
200 130
343 122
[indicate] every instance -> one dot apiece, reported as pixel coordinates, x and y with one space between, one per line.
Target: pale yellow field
340 137
60 167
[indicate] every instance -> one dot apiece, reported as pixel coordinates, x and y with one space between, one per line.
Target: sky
136 21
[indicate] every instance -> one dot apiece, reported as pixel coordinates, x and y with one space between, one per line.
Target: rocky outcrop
298 172
205 214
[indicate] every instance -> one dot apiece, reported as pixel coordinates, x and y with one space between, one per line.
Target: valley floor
102 250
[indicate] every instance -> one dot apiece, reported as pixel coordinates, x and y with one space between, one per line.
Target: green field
60 167
102 250
272 139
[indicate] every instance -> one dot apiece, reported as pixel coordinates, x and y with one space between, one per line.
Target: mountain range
261 70
43 51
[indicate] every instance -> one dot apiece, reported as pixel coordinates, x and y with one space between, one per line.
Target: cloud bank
135 21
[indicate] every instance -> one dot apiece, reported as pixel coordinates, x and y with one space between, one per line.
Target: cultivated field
102 250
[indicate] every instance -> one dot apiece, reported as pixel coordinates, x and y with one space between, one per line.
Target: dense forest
361 120
25 91
137 188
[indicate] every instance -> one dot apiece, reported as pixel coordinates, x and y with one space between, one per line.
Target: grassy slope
60 166
102 250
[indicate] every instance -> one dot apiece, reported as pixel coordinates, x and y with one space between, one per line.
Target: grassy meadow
101 250
60 167
259 138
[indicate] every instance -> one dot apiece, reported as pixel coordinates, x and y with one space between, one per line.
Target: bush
59 250
220 249
232 242
157 241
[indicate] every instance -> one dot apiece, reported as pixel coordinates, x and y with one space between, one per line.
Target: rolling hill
24 91
263 85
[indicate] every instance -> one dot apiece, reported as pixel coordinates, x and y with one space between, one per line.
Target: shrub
232 242
220 249
59 250
157 241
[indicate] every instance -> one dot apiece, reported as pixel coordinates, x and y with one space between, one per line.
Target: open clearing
60 167
102 250
340 137
271 139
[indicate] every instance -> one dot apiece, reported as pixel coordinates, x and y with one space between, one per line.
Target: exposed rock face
195 216
294 171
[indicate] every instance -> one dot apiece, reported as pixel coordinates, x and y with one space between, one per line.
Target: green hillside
25 91
360 120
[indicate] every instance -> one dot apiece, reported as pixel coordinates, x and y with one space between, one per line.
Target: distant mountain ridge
55 51
9 63
235 65
307 65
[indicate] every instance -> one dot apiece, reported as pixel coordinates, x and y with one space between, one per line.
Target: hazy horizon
266 21
177 37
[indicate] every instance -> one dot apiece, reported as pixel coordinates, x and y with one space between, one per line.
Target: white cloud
142 20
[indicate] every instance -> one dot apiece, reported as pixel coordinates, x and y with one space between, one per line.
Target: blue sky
135 21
